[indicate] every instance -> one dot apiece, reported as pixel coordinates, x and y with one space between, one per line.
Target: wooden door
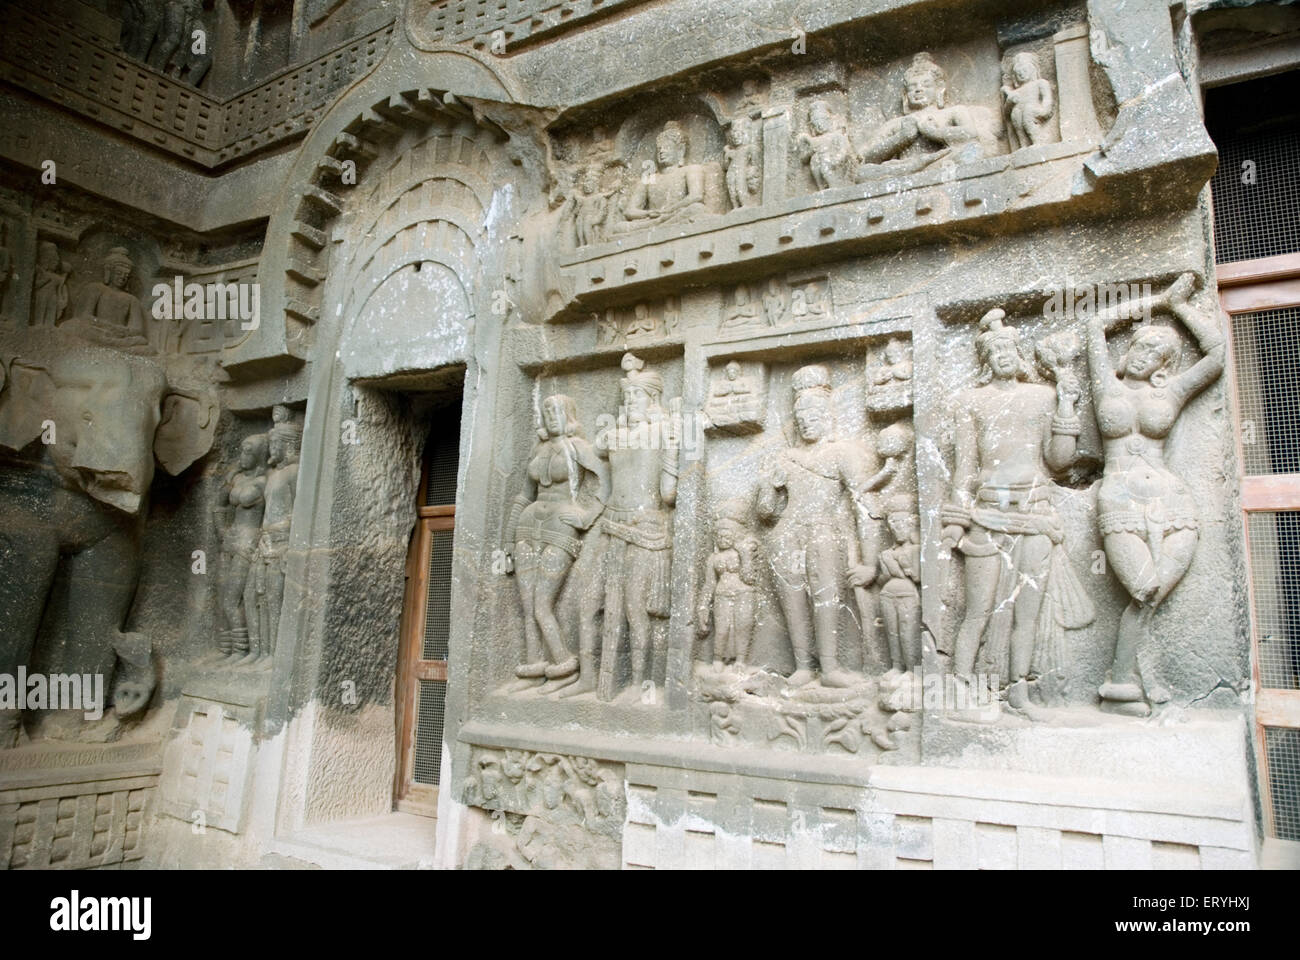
421 693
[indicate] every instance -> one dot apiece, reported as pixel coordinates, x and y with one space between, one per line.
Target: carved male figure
626 561
1010 437
823 537
50 290
676 193
740 156
741 312
565 489
929 129
1029 102
826 147
590 208
106 312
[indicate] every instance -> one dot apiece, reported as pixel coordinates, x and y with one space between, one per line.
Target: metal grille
1266 348
437 605
428 732
1283 746
1257 194
444 458
1275 575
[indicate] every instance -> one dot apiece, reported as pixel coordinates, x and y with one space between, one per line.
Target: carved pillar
776 146
1074 88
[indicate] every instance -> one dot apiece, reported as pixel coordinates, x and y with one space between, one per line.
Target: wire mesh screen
1257 194
428 732
1266 351
1275 577
1283 747
443 452
437 605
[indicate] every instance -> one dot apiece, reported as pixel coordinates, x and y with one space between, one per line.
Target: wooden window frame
1249 286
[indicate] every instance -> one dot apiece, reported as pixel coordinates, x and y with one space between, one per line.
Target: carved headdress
117 257
812 377
286 429
637 376
923 65
991 330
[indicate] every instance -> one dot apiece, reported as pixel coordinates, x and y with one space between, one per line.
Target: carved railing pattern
74 68
455 21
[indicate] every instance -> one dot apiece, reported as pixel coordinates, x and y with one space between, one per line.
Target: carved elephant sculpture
75 503
160 33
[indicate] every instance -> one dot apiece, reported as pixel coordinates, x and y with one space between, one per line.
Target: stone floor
395 841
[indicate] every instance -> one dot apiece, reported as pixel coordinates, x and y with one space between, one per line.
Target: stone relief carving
549 811
1011 436
643 321
50 289
6 261
737 400
588 208
826 147
900 582
1148 518
160 32
889 379
86 515
239 520
284 445
677 191
816 495
1030 105
728 595
743 166
566 487
929 130
106 312
626 560
776 301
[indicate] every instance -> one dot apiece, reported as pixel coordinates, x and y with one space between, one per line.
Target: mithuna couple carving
1012 435
254 518
602 513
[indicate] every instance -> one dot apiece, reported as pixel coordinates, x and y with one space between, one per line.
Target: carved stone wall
846 475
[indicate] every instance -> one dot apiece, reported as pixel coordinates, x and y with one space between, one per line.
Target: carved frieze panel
548 810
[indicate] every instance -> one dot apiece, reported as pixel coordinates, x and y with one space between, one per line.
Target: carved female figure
556 504
1029 102
900 579
727 598
1148 517
239 519
283 446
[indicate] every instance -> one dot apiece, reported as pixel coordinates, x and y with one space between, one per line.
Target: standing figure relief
1021 590
239 520
728 598
625 566
565 489
817 496
1148 518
